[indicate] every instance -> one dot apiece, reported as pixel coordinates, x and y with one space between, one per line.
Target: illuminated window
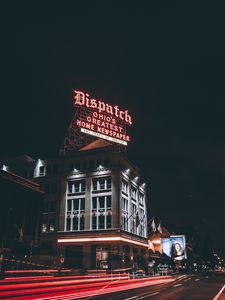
48 225
101 184
51 225
44 227
77 186
101 212
75 214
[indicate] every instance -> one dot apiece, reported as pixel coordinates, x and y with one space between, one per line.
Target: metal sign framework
75 139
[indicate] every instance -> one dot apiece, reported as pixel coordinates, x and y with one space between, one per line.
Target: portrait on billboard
174 247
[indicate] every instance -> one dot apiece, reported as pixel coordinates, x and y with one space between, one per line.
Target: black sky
163 61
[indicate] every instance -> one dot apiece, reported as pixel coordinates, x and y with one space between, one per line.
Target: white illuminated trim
101 239
4 168
103 136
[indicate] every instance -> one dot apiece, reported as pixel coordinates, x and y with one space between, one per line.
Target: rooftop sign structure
100 119
94 118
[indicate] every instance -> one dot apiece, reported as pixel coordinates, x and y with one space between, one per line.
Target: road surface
190 287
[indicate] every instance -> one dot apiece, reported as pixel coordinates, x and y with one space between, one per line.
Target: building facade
94 211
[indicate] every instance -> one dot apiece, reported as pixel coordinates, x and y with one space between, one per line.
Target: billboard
174 247
100 119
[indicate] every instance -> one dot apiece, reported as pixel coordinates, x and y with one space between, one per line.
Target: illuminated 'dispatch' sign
97 118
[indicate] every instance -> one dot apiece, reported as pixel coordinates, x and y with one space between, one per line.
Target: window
77 186
48 225
94 222
44 227
103 183
125 204
101 222
42 171
82 204
109 221
82 223
75 223
69 205
76 204
133 193
125 221
109 202
125 187
75 214
101 202
125 213
133 226
51 225
141 198
133 221
68 223
94 203
101 212
142 222
133 208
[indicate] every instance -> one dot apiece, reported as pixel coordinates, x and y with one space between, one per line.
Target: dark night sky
164 62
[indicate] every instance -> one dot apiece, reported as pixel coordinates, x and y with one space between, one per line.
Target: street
123 287
190 287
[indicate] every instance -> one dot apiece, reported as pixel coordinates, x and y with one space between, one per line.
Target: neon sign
101 119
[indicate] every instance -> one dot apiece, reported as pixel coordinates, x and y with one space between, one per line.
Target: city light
4 168
127 171
100 168
101 239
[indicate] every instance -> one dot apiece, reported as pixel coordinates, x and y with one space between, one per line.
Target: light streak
101 239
